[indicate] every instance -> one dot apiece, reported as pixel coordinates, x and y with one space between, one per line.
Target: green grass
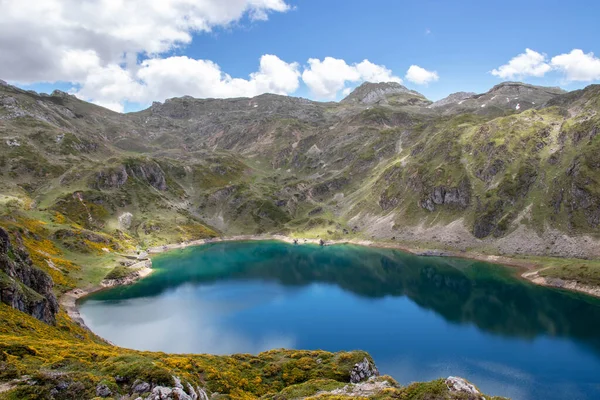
575 270
119 272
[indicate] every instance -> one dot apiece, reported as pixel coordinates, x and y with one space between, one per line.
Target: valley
511 176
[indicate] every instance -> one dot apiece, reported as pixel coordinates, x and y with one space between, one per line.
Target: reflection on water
421 318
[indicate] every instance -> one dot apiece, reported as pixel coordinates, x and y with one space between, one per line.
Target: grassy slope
50 185
68 357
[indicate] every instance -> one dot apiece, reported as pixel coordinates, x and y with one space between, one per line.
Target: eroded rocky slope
469 172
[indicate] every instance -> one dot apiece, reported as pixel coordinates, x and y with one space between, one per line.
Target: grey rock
177 382
362 371
462 386
111 178
149 172
161 393
27 288
103 391
125 220
177 392
459 196
141 387
8 101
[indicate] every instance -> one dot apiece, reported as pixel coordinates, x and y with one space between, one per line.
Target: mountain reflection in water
419 317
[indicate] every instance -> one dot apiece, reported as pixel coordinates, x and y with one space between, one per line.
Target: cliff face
23 286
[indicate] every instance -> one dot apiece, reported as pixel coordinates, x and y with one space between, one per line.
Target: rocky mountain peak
519 88
60 93
505 96
3 83
370 93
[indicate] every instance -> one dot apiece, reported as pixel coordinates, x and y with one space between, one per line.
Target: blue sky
465 42
461 41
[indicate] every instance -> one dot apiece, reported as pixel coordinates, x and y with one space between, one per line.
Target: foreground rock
462 386
362 371
177 392
23 286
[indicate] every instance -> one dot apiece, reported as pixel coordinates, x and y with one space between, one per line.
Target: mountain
384 93
514 171
501 98
466 172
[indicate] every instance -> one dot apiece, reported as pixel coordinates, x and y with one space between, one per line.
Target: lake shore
359 242
68 301
531 268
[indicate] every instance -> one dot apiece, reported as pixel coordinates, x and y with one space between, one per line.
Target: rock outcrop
112 178
149 172
125 220
22 285
177 392
363 371
466 389
459 196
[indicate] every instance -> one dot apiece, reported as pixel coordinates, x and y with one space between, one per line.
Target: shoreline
530 274
359 242
69 299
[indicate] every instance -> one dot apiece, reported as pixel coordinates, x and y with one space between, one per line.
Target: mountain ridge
85 191
267 163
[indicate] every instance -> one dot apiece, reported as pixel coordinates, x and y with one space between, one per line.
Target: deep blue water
421 318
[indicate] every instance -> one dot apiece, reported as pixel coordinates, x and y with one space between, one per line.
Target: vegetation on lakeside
68 362
79 185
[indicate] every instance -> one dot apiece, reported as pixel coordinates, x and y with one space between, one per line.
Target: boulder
103 391
363 371
161 393
141 387
177 392
125 220
462 386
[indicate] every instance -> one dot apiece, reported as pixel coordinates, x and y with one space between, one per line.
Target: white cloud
161 78
530 63
578 66
375 73
421 76
327 78
40 40
96 45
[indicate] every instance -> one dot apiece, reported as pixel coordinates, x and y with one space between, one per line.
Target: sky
125 54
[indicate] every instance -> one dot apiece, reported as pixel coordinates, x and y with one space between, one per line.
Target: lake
420 318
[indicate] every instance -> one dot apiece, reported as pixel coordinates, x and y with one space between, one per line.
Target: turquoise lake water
420 318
